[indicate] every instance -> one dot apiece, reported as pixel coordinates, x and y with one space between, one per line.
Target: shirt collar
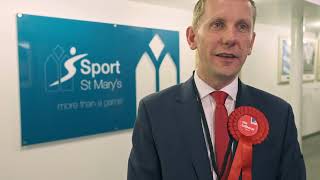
204 89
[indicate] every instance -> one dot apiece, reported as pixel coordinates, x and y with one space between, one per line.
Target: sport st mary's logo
60 69
155 70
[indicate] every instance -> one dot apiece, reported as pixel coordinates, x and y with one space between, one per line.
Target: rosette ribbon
248 126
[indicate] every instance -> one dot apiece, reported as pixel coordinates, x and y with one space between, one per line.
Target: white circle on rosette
248 125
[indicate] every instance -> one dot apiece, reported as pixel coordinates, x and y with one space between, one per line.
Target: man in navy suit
174 135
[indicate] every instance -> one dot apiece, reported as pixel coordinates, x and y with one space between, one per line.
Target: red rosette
257 115
248 126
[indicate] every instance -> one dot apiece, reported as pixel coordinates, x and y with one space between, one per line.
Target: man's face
224 38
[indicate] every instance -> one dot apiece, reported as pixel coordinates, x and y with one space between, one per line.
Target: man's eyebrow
246 21
216 19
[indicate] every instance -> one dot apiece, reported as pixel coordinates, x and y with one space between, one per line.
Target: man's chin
227 76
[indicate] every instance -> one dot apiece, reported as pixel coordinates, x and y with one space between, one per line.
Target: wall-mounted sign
80 78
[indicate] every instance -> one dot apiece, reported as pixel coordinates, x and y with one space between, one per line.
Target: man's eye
217 25
243 27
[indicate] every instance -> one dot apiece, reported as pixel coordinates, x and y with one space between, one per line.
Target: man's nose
229 37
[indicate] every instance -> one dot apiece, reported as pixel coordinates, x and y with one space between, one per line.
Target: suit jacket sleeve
292 165
143 163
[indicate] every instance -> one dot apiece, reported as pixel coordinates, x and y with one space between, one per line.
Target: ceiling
275 12
180 4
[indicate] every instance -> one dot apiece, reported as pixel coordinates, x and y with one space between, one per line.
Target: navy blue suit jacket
169 144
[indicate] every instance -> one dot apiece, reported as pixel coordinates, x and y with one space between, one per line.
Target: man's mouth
227 55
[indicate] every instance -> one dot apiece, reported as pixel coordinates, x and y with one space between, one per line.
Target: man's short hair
198 11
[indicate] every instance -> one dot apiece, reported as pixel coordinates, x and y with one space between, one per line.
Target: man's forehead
227 8
227 3
234 1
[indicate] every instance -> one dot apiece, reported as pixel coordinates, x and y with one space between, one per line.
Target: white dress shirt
208 104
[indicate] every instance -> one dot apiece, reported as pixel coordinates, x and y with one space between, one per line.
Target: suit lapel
190 127
243 96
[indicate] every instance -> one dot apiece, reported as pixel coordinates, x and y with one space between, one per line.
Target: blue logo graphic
56 59
69 65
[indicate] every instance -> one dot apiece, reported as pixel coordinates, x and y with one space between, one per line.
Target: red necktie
221 129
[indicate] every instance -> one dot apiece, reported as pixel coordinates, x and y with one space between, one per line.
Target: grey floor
311 152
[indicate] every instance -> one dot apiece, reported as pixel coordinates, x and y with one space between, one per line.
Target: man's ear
252 42
191 38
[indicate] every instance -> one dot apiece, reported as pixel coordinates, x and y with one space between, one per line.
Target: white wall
100 157
261 69
261 66
310 109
